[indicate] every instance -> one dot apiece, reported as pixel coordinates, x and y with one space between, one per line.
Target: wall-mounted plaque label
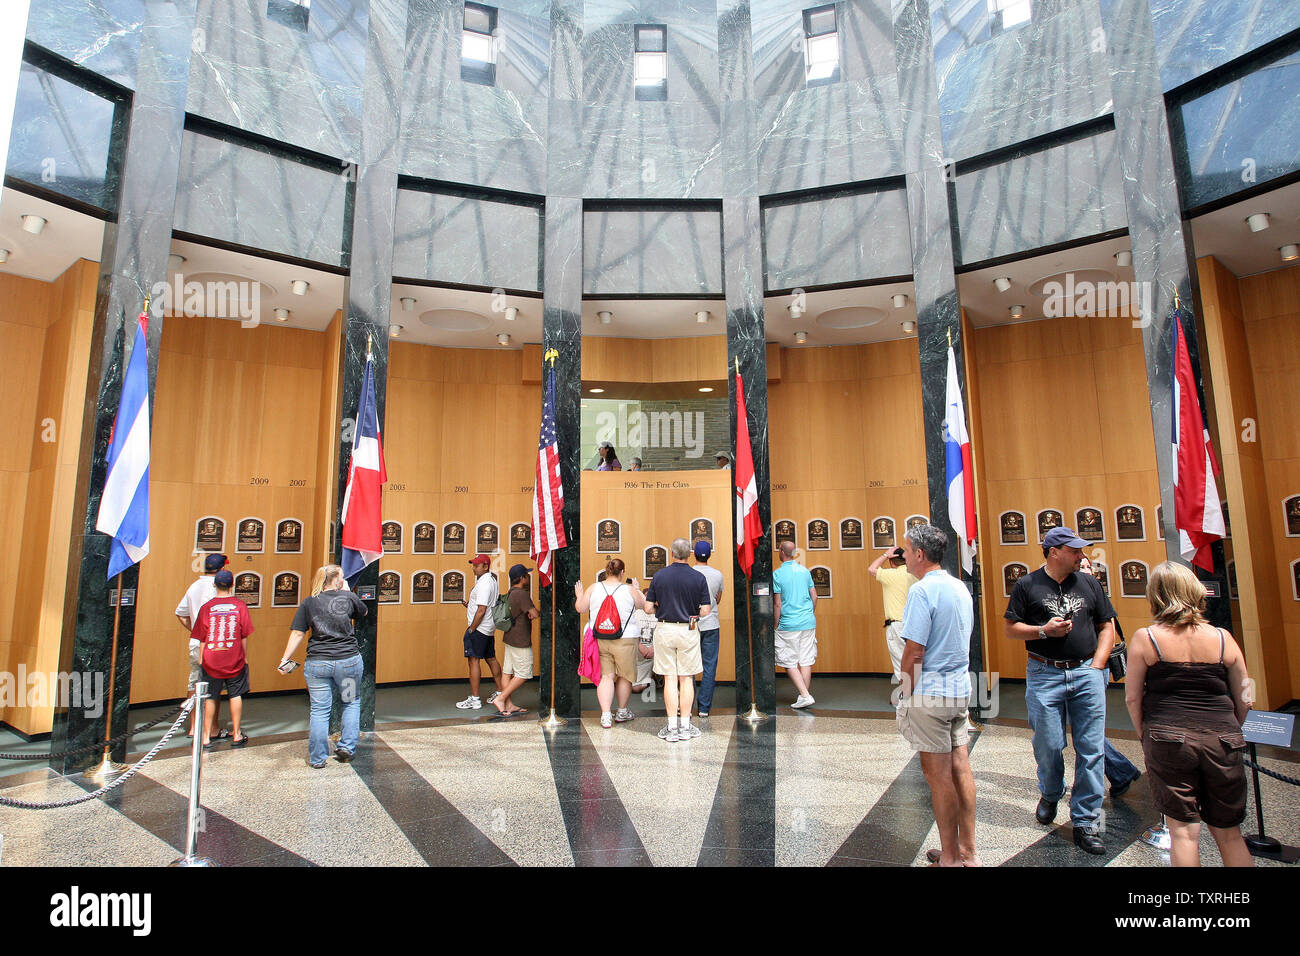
487 538
882 533
1088 524
209 534
128 597
453 538
656 559
1011 573
248 588
1133 575
782 531
422 587
251 536
453 586
426 538
1011 527
701 530
851 537
366 592
521 538
1129 523
286 590
821 577
819 534
1048 519
390 588
288 536
390 535
609 536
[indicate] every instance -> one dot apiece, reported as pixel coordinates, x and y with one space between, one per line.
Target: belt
674 622
889 621
1062 664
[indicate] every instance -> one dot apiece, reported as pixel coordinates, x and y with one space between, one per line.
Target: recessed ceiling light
1002 283
796 310
299 286
395 330
595 391
899 299
909 326
282 315
701 317
1257 222
1124 258
503 339
4 255
408 304
175 261
605 317
705 388
512 313
1290 251
33 224
801 337
1017 311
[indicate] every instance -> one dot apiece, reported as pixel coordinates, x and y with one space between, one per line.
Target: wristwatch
1042 634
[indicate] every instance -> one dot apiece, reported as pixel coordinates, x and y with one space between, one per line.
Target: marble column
1163 260
742 270
133 258
369 286
562 331
938 311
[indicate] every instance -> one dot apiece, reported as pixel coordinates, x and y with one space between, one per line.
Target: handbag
1118 660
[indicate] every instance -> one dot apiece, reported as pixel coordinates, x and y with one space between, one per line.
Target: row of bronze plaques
1132 576
609 535
852 536
487 538
250 537
1089 524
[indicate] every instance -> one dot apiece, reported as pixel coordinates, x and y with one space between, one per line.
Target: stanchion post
1259 842
191 857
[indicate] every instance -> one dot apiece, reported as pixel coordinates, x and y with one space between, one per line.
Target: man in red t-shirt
222 627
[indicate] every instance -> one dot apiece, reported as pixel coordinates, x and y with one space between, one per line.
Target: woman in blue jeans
333 661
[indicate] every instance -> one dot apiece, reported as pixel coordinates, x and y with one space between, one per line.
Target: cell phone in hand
288 667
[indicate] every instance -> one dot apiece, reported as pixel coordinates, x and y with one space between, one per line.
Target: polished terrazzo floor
828 787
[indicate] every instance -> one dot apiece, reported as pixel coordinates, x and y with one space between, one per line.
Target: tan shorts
677 650
196 665
933 725
645 668
796 648
518 661
618 657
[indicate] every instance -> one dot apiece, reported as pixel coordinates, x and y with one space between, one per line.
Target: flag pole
553 721
106 769
753 714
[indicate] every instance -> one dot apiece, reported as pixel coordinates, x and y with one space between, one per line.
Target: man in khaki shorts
517 665
935 691
678 597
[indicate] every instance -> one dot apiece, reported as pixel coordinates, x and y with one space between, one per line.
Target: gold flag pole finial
950 338
1178 303
737 364
550 357
370 341
146 305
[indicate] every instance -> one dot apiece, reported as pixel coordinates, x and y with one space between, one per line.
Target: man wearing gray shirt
710 627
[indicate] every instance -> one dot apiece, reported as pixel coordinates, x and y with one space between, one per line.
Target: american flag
548 490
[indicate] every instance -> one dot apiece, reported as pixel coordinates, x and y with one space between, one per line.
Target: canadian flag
748 526
1197 514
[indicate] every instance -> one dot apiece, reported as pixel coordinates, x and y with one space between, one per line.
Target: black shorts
236 686
480 645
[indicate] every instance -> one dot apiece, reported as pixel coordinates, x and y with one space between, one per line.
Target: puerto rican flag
363 499
1197 514
957 469
548 489
748 526
124 507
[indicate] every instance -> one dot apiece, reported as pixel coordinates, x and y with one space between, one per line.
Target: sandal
239 741
222 734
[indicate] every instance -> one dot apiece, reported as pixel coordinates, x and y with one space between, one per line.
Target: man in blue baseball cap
1066 622
710 627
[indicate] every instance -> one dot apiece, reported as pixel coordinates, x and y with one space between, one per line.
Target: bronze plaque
288 536
1295 580
426 538
209 534
453 585
521 538
390 588
915 520
1291 514
390 534
783 531
1160 522
422 587
609 536
851 535
1048 519
248 588
819 535
701 530
1102 575
453 538
487 538
821 580
1011 526
1232 581
1133 574
1011 573
286 590
656 559
1088 524
251 537
882 533
1129 524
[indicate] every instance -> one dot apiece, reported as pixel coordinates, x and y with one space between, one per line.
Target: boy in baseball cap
518 665
187 612
480 636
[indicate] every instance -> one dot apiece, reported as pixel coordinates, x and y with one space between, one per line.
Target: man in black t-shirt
1066 622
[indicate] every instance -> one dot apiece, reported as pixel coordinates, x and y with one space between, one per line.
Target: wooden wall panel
658 509
846 440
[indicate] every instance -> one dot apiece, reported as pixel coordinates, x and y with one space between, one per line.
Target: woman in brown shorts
618 654
1188 692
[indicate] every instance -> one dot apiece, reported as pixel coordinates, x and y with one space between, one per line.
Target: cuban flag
957 469
1197 514
124 507
362 501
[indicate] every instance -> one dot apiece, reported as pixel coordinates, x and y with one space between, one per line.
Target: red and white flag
548 489
957 469
748 526
1197 514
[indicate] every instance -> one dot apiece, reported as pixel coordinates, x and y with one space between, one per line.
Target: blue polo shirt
793 581
940 616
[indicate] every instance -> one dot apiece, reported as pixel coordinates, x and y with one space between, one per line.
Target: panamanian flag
957 469
362 501
124 507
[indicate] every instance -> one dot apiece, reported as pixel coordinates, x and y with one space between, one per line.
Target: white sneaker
624 714
669 734
606 720
469 703
802 702
688 733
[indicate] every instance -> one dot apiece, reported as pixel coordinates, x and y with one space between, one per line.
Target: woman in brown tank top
1188 692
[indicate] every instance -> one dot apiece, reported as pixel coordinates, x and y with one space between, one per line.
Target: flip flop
517 710
933 855
222 735
240 741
